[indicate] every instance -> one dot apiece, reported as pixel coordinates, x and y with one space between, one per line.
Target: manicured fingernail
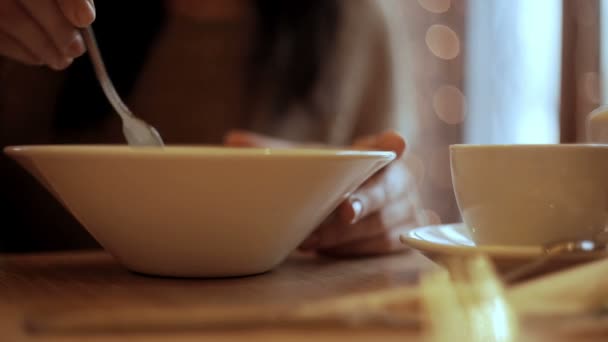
89 17
76 47
357 208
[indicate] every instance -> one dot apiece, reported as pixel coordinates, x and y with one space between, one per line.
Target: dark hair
293 39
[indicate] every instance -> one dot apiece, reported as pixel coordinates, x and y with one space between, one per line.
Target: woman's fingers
17 23
51 19
335 233
238 138
385 185
382 188
44 31
249 139
387 141
13 49
80 13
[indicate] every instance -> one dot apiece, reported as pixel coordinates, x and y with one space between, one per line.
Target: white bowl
199 211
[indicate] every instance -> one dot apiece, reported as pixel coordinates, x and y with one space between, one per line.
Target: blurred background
500 71
474 71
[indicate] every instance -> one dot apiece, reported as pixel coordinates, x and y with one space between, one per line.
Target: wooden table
35 284
72 284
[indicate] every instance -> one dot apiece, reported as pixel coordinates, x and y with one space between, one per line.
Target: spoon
136 131
552 250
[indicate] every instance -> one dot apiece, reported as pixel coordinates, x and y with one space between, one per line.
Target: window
513 64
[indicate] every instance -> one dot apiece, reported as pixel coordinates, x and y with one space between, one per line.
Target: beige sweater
194 90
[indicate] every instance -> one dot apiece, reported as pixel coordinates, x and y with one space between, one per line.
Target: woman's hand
44 32
373 217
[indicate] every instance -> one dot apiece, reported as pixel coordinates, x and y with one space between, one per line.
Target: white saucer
450 240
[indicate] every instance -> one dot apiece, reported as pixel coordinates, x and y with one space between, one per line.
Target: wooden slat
568 106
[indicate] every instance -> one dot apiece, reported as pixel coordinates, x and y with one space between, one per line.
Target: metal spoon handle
137 132
527 269
550 251
102 74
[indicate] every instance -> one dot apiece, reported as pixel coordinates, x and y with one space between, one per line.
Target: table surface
35 285
69 285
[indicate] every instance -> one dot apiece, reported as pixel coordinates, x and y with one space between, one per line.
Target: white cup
531 195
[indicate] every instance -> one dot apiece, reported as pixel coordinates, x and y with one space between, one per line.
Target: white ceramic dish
439 242
199 211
